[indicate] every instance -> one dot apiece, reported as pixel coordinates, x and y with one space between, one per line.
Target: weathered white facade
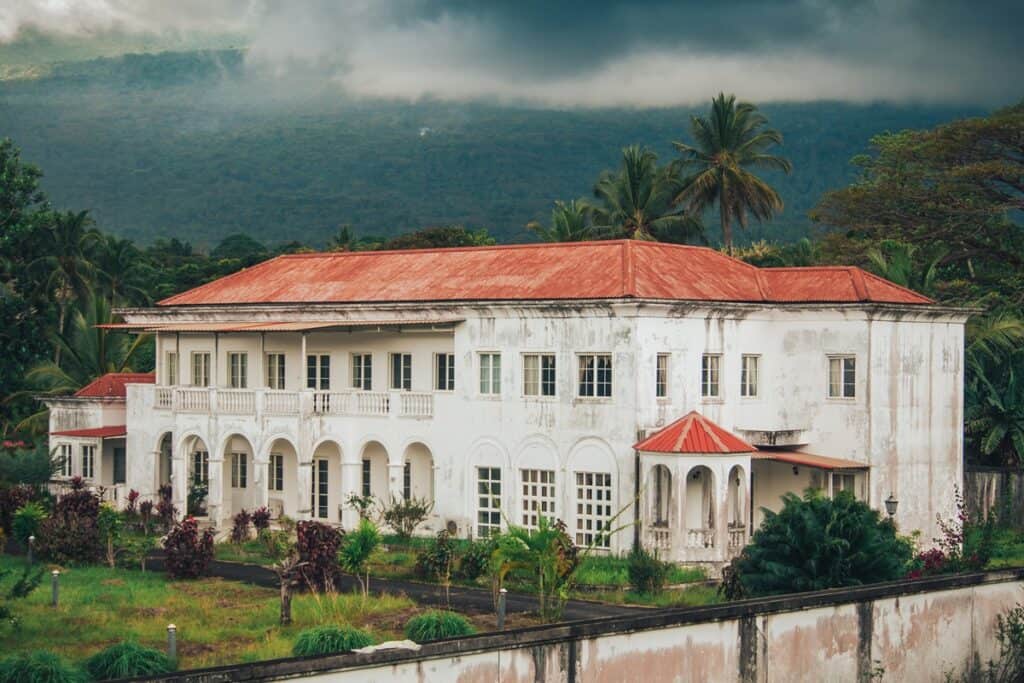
493 448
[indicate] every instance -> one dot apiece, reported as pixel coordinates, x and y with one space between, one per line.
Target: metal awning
822 462
111 432
284 325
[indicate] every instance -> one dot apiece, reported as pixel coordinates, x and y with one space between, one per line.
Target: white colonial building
600 383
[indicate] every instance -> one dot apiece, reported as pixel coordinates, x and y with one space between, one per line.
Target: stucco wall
903 631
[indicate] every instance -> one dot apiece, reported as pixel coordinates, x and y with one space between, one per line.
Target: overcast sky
595 52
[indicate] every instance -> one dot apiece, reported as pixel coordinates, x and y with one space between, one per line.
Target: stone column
215 495
304 477
351 482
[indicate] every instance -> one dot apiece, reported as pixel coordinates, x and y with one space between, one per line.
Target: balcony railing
163 399
660 539
281 402
404 404
700 538
192 400
416 405
236 401
737 536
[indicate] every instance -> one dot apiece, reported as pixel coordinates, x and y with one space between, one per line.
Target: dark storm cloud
600 52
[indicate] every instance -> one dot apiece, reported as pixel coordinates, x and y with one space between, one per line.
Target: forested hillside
189 145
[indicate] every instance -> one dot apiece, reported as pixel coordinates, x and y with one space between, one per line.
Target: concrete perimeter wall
901 631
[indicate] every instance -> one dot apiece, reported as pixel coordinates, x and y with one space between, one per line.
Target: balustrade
700 538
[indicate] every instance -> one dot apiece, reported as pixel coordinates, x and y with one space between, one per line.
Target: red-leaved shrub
240 528
261 519
188 553
165 509
70 535
318 548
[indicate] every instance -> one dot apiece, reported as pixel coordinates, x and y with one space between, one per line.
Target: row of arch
700 509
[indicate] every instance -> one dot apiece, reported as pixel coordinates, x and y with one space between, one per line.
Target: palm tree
995 418
716 171
121 272
570 222
907 264
636 202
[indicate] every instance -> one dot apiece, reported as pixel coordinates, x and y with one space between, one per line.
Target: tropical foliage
436 624
329 640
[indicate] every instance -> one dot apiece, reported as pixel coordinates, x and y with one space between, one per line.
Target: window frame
238 369
239 470
484 529
541 382
842 359
661 375
400 376
90 471
171 368
275 473
444 382
538 487
595 381
200 370
67 456
361 365
320 364
706 372
598 538
277 370
493 374
199 468
745 376
366 477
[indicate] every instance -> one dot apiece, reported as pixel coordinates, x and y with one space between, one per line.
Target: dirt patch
191 649
150 612
112 582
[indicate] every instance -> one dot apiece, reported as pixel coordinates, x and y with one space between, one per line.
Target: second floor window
749 376
842 377
401 371
362 371
595 375
238 365
661 376
275 482
490 373
710 367
318 371
275 371
64 468
88 462
201 369
444 371
539 374
171 368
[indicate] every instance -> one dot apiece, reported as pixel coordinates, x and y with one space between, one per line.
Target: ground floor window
407 481
366 477
488 509
538 496
200 468
593 509
64 453
239 470
88 462
321 487
276 475
120 466
844 481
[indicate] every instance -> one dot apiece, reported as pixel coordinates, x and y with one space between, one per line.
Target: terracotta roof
693 433
281 325
95 432
575 270
810 460
112 384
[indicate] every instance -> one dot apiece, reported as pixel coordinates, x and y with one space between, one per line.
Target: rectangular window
593 509
366 477
318 372
488 508
321 488
362 371
401 371
842 377
275 478
490 373
539 374
275 371
444 371
120 466
595 375
171 368
64 453
239 470
200 468
661 376
201 369
538 496
88 462
710 366
407 480
844 482
749 376
238 365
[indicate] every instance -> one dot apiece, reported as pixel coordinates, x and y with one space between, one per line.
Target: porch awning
822 462
95 432
280 325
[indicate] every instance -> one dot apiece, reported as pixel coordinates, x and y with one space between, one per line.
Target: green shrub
474 561
436 624
127 660
403 515
39 667
328 640
817 542
647 574
26 521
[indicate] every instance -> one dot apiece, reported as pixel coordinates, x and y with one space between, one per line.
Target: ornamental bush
816 542
647 574
318 549
437 624
11 499
127 660
240 527
165 510
188 553
260 519
71 534
26 522
474 561
39 667
328 640
403 515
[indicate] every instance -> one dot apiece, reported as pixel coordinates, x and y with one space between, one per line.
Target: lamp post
890 505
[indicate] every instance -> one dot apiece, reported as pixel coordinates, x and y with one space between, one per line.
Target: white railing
737 536
330 403
192 400
660 539
163 398
700 538
281 402
236 401
416 405
369 403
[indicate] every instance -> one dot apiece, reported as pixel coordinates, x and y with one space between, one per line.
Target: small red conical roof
694 433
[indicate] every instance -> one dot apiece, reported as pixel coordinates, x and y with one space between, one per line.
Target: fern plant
327 640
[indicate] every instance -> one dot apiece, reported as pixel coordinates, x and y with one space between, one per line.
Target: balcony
404 404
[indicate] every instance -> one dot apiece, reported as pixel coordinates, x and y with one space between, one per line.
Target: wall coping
533 636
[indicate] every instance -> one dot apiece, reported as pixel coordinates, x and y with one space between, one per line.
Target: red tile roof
694 433
112 384
575 270
95 432
823 462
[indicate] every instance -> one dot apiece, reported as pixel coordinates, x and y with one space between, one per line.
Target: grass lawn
218 621
612 570
1007 549
693 596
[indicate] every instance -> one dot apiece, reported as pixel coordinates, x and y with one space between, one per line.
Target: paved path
472 599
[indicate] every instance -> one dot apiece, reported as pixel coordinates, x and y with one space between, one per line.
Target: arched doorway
197 496
283 495
700 508
418 473
238 476
374 472
325 493
660 499
736 507
165 454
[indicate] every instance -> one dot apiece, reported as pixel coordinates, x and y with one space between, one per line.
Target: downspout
636 500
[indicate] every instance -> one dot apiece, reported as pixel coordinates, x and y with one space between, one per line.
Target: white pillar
305 492
351 482
215 495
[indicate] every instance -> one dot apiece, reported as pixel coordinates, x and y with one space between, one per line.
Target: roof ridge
687 426
857 280
230 276
466 247
628 270
706 425
867 274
